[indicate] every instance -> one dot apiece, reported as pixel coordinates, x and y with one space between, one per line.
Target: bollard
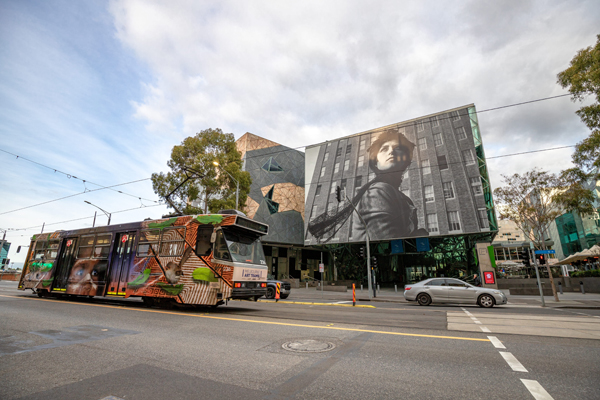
581 285
353 295
560 287
396 288
307 285
378 287
277 292
361 287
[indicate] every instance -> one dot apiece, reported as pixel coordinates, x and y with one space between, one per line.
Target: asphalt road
94 349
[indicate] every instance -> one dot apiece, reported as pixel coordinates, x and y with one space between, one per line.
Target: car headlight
498 292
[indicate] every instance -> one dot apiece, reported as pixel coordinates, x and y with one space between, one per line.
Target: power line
73 195
74 177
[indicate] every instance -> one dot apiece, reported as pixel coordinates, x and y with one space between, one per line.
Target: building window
314 211
453 221
271 205
484 223
420 126
476 186
326 157
468 157
272 166
422 143
349 149
346 165
333 186
448 190
358 182
339 151
429 196
442 163
363 144
361 161
434 121
318 191
455 116
460 132
322 172
336 168
432 223
425 167
343 184
437 139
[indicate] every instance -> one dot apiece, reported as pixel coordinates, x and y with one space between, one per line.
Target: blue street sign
397 246
423 244
545 252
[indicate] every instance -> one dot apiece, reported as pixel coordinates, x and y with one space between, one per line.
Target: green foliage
211 185
585 274
582 79
529 200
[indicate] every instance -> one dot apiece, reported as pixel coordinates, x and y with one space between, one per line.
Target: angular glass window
273 206
272 166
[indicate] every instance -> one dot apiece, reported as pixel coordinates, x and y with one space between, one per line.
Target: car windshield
245 248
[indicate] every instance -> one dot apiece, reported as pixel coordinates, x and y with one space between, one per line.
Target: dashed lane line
513 362
496 342
536 390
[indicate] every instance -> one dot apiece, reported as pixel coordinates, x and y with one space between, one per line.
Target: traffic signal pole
537 274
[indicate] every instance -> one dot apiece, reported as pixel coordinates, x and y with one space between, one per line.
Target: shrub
586 274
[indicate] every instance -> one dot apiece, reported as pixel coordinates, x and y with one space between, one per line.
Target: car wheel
423 299
270 293
485 301
283 296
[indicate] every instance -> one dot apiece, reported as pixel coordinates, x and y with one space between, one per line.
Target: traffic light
362 252
373 262
525 258
19 249
338 194
541 259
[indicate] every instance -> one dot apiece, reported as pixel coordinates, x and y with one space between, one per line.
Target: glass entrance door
120 262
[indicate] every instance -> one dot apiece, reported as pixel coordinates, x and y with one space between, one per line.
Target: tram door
120 263
64 264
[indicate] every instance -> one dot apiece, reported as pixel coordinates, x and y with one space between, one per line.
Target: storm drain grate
308 346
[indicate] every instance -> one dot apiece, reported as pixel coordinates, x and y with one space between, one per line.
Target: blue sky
103 90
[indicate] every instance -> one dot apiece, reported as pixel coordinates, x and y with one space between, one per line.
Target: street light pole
105 212
237 184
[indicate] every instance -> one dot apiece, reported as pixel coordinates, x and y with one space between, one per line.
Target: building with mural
277 198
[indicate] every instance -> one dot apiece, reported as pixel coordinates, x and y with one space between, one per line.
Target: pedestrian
476 280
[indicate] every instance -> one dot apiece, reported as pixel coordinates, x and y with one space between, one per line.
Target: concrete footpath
316 295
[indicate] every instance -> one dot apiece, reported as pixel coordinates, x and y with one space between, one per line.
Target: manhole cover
308 346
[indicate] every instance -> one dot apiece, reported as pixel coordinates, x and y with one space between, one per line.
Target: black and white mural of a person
387 212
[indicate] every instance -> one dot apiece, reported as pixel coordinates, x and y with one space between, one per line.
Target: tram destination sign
545 252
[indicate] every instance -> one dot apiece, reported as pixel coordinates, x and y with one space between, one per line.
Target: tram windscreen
244 247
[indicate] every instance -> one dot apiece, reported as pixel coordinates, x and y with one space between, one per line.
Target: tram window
86 244
148 243
203 244
221 251
52 250
102 246
173 242
40 249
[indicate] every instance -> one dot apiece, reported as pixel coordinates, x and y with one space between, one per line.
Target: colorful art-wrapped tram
197 260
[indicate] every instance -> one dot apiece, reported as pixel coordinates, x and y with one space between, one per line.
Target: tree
529 200
193 175
582 79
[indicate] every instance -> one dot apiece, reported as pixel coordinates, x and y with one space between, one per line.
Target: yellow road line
316 304
255 321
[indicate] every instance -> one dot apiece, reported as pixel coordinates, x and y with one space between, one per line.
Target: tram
196 260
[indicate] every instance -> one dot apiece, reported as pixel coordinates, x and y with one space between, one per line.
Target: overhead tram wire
83 180
77 194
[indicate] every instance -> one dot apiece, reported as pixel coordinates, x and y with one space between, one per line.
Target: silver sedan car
450 290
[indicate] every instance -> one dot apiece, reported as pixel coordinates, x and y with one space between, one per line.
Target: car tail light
238 284
407 288
263 285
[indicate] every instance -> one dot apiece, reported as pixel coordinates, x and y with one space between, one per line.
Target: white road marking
536 390
496 342
513 362
484 329
477 322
